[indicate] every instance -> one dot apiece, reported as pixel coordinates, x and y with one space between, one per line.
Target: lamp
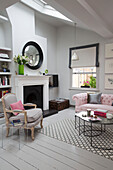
74 55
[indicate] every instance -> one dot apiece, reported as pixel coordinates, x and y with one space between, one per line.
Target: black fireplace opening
34 94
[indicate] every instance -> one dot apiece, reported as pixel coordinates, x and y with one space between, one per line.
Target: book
16 122
100 112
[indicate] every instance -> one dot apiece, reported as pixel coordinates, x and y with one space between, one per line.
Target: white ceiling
96 14
6 3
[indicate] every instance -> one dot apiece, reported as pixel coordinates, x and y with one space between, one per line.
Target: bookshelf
5 74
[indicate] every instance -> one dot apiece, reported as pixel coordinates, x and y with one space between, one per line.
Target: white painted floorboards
45 153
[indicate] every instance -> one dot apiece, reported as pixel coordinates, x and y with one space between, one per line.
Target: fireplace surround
23 81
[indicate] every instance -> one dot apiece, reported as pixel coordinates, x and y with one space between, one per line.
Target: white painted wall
48 31
2 36
23 30
7 34
65 40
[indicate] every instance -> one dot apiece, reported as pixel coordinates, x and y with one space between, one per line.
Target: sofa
81 102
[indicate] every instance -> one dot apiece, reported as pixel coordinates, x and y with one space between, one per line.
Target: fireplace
21 82
34 94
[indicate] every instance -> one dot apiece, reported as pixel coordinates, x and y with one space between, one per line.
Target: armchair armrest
80 99
30 104
19 111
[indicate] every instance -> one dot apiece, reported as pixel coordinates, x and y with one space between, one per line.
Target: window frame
89 89
83 73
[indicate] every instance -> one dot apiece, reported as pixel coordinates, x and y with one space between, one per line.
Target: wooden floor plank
6 165
16 162
80 152
70 155
46 159
33 159
59 157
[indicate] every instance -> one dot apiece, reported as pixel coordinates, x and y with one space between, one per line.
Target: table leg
19 137
79 125
2 137
84 127
75 121
104 128
91 133
101 128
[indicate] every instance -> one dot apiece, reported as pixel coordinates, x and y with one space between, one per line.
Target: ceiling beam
81 10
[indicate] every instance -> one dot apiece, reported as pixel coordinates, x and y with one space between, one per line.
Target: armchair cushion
17 106
32 115
20 116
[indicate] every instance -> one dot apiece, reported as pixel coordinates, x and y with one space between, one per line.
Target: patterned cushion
107 99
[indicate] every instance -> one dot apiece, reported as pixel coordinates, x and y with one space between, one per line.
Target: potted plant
86 84
92 82
21 60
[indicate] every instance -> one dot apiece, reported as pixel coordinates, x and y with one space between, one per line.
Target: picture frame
109 81
109 50
109 65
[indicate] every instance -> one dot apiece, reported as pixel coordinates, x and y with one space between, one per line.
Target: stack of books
3 92
100 112
16 122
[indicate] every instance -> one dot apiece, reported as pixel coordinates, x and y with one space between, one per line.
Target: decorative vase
21 69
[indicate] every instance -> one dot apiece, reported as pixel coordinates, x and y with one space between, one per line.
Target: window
82 75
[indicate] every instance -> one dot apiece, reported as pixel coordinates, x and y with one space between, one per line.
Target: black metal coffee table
82 123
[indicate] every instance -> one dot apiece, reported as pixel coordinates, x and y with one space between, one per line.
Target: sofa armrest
80 99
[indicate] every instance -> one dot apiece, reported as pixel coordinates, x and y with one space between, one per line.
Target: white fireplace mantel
21 81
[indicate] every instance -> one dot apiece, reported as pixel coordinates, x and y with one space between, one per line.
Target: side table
59 104
9 138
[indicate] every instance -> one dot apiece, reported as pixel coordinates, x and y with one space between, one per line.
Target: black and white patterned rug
65 131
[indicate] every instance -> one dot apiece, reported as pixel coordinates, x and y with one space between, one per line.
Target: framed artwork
109 65
109 50
109 81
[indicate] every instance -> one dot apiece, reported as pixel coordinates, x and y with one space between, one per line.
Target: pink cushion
107 99
95 106
17 106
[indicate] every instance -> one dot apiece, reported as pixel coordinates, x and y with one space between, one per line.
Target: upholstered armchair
30 117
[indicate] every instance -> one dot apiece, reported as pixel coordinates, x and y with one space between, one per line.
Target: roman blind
87 56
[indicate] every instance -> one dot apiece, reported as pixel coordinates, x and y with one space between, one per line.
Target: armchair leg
7 131
32 133
41 123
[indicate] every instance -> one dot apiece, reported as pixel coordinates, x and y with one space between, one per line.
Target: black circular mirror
35 54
